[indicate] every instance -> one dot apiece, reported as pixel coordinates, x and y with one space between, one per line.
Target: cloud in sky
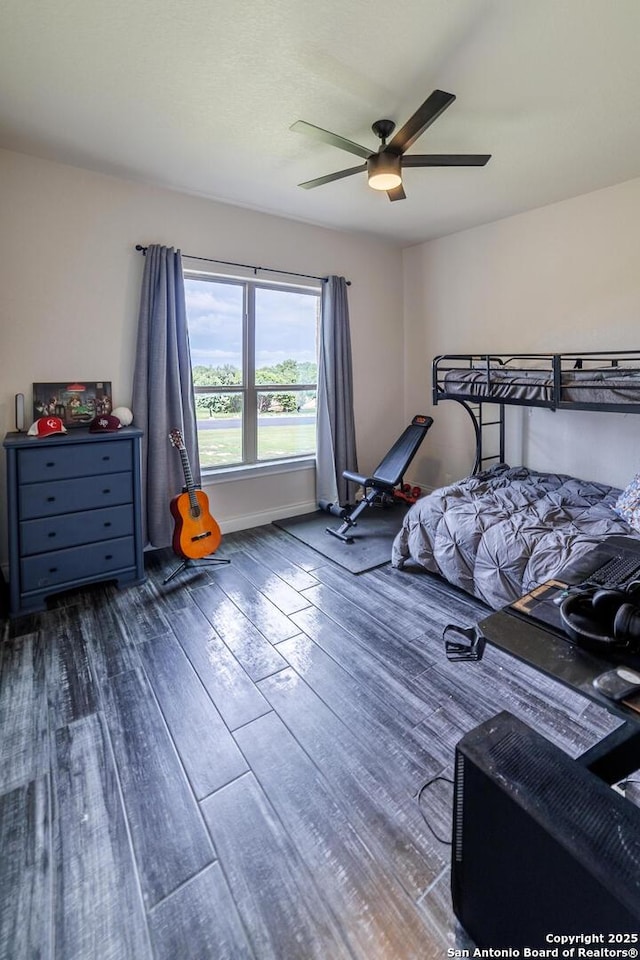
285 324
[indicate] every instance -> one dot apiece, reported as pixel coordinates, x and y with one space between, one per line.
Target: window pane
219 428
286 324
286 424
215 312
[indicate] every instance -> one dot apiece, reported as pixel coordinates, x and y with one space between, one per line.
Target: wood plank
199 921
383 643
364 711
158 564
262 613
389 825
534 698
25 872
169 838
269 583
446 932
411 589
372 908
206 748
70 684
111 648
303 556
139 611
388 683
24 744
258 657
408 623
442 729
272 554
237 699
274 891
98 908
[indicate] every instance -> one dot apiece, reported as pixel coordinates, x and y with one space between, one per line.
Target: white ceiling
199 95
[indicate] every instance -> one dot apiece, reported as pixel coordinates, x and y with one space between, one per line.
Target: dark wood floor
228 766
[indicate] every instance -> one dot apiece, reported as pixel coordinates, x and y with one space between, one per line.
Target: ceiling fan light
383 171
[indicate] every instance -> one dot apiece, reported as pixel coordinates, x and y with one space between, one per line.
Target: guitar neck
188 477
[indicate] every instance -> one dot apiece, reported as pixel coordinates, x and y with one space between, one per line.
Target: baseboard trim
246 521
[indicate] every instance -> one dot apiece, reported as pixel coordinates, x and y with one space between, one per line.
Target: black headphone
600 620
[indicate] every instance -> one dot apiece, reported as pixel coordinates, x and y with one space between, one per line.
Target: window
253 355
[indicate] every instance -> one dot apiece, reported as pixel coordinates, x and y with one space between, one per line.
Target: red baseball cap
46 427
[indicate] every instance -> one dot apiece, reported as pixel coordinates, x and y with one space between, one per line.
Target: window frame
249 389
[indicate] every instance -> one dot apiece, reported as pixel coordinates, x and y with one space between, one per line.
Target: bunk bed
503 530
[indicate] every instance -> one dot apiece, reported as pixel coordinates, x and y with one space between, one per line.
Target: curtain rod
248 266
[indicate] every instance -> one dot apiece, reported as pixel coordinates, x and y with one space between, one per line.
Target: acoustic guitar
196 534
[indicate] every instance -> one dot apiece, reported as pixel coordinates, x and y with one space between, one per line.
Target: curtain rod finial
140 248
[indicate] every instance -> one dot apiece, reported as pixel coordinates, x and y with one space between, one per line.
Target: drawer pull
107 523
52 534
53 569
52 463
107 490
107 457
108 556
51 499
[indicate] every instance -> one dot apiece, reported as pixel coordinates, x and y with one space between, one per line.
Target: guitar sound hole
195 512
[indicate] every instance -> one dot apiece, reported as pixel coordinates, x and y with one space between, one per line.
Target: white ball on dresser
124 415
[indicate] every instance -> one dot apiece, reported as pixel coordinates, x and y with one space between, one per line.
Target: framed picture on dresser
76 402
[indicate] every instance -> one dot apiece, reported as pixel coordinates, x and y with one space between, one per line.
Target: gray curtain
163 390
336 435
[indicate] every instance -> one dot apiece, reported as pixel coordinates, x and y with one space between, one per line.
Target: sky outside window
285 324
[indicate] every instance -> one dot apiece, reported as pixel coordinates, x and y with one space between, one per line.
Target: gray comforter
501 533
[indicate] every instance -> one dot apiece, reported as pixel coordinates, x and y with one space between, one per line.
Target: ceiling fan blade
325 136
421 119
445 159
397 193
309 184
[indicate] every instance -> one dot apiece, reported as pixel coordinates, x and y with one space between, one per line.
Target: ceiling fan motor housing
384 171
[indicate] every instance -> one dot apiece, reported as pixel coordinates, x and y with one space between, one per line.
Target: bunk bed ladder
486 439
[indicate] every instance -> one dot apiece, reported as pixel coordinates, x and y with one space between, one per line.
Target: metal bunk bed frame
557 363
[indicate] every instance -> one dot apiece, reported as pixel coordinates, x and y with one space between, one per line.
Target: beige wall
69 288
563 277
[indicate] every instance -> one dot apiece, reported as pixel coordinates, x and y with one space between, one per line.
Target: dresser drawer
69 496
71 529
80 460
76 563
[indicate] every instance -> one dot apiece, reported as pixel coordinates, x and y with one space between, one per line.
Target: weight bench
387 475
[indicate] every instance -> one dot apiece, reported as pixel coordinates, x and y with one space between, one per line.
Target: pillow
627 505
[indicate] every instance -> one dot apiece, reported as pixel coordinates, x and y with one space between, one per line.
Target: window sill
251 471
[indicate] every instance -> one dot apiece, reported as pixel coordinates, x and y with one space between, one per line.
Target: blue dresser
73 505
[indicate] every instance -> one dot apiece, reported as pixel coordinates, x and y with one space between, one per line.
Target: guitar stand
187 563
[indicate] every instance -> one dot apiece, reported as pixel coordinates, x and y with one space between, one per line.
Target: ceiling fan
384 166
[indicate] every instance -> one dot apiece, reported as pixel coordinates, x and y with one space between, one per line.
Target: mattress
503 532
610 385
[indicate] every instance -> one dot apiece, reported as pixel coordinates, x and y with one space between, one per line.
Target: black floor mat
373 535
